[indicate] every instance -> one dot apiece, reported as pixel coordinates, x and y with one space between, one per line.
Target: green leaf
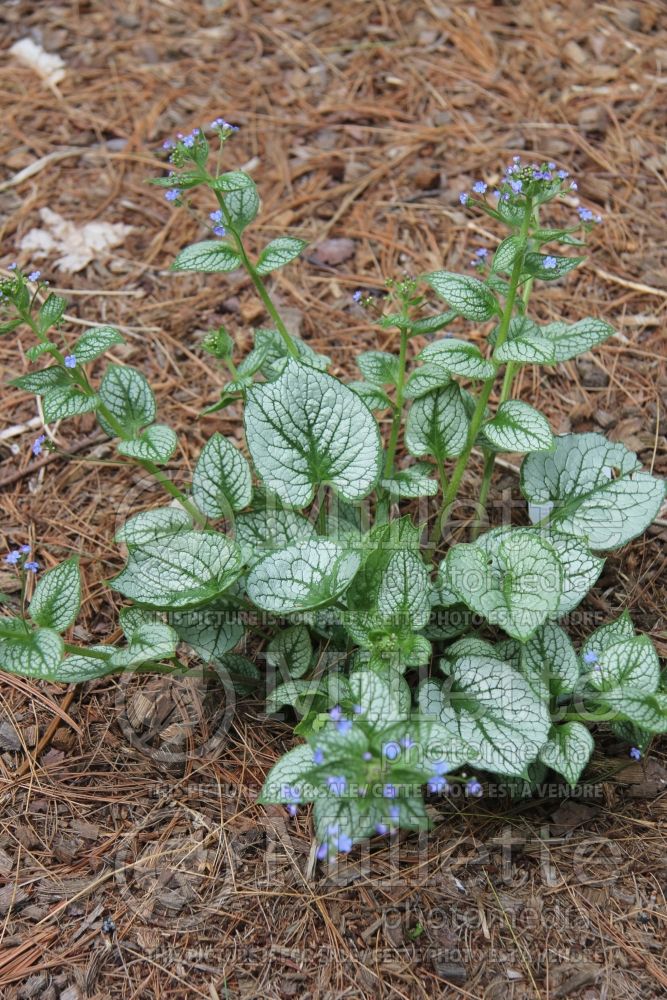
93 343
407 484
458 357
35 352
607 635
194 568
533 265
557 235
233 180
549 663
468 296
427 378
151 641
278 253
518 427
156 444
374 397
260 533
553 343
291 651
57 598
51 312
403 595
596 489
30 654
431 324
581 570
161 522
212 630
309 575
79 668
290 772
66 401
41 381
306 429
645 710
512 578
184 181
379 368
568 750
506 254
489 707
129 398
209 256
631 663
242 204
437 424
221 482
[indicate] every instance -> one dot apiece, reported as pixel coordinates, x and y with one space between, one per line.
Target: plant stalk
477 418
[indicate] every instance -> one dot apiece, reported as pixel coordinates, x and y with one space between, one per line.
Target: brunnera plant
415 667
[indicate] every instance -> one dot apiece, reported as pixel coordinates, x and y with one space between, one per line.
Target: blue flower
357 709
496 193
34 275
407 743
437 784
292 810
189 141
336 713
322 852
574 186
13 557
172 194
37 444
357 296
516 186
389 791
32 566
367 755
70 361
391 750
464 197
381 828
482 252
344 725
441 767
12 266
216 216
318 756
562 174
344 843
168 144
635 753
585 214
336 784
24 550
550 263
219 230
591 656
479 187
474 788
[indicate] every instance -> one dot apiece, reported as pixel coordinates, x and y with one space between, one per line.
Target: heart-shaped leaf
309 575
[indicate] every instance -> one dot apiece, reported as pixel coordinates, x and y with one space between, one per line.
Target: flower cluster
539 180
17 557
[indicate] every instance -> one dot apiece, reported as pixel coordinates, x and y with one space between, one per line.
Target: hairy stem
477 418
398 411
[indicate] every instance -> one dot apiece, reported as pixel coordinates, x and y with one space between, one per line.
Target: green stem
490 456
255 277
477 418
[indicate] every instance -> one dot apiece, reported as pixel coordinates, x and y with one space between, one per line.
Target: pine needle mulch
131 801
